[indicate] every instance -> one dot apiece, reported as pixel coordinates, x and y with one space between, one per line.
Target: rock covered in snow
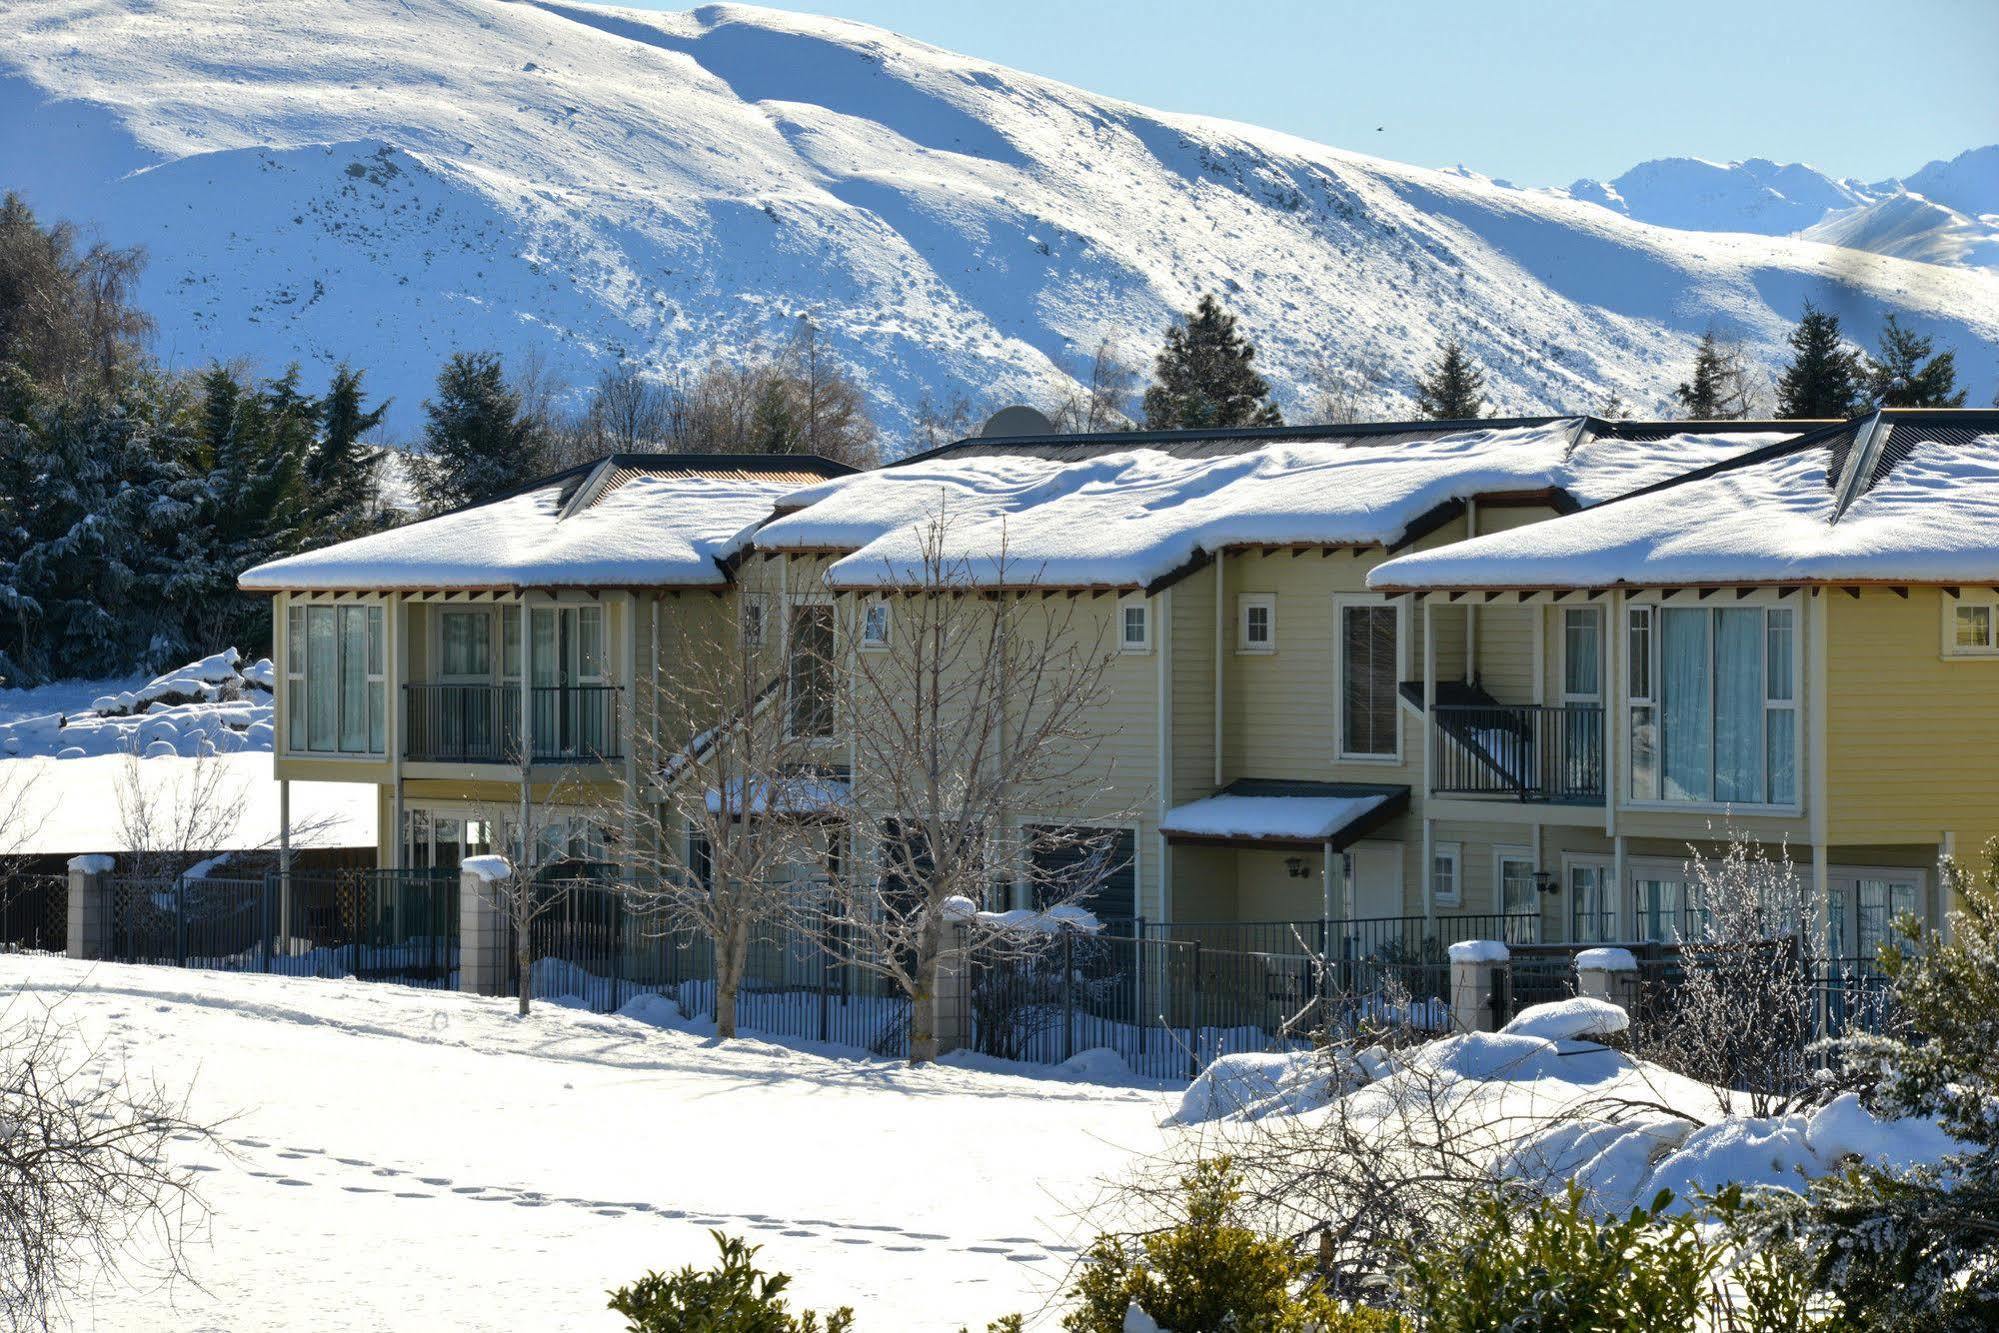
218 705
1572 1019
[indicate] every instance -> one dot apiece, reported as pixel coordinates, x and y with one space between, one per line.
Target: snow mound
1251 1086
1479 951
1606 960
218 705
1572 1019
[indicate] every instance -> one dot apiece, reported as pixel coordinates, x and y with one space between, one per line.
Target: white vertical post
1221 658
285 861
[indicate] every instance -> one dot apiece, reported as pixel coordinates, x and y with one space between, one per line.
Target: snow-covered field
403 1159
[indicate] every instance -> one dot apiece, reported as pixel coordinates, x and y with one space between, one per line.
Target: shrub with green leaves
1551 1266
1208 1271
735 1296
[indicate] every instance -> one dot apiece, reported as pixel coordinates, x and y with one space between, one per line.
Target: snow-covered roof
1109 514
1287 813
622 522
1907 497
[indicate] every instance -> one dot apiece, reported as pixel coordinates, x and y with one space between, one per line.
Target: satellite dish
1016 420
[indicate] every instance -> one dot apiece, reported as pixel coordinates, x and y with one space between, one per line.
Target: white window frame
1126 605
1501 854
1341 601
1453 852
298 679
1793 705
1606 873
871 641
1602 657
752 624
1245 603
1965 600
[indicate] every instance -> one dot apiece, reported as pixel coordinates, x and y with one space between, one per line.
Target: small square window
1444 887
1974 629
1256 623
874 626
1134 627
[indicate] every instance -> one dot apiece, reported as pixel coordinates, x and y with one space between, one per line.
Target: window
874 626
1134 626
334 679
1713 704
1660 903
465 645
1971 629
1514 871
1592 906
753 623
1446 887
1881 903
1256 623
1369 664
809 671
1582 654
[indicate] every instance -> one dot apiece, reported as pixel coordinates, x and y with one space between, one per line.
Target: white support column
1326 901
396 617
1626 905
1428 871
1816 609
1471 608
1946 857
1429 696
631 724
523 834
1221 657
284 929
1613 685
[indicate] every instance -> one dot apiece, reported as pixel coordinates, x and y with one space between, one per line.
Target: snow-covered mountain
389 180
1946 213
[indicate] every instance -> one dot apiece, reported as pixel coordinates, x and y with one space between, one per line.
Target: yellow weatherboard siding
1912 737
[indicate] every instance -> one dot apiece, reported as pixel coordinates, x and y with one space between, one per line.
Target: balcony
481 724
1522 752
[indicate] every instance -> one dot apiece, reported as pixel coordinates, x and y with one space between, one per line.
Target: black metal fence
34 913
374 925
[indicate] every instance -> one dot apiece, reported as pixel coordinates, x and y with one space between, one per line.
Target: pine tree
1717 391
1453 387
1825 377
1899 377
478 440
1203 380
340 469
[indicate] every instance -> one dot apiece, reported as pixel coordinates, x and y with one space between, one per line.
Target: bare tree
22 815
86 1182
1108 388
628 412
174 813
832 412
738 748
1350 386
974 698
543 846
1752 962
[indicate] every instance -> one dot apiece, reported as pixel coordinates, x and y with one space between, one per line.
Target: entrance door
1374 879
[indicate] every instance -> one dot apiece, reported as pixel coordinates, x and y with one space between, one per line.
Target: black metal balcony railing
481 724
1527 752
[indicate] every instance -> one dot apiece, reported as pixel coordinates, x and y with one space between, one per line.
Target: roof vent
1016 420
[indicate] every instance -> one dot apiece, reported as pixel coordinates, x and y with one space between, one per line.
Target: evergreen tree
1906 375
1918 1248
478 440
340 469
1825 377
1453 387
1203 380
1717 391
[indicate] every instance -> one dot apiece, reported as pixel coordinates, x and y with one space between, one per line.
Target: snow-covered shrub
1551 1265
735 1296
1207 1271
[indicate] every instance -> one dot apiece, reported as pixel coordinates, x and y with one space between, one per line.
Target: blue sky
1537 91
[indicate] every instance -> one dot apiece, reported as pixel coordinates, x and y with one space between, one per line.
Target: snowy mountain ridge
1945 213
387 181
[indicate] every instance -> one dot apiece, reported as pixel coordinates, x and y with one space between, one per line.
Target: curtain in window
1659 910
1685 709
1367 680
1581 669
1882 903
322 670
1738 706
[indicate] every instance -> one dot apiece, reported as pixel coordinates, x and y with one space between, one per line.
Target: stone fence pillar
953 1018
483 882
1610 975
90 907
1481 973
